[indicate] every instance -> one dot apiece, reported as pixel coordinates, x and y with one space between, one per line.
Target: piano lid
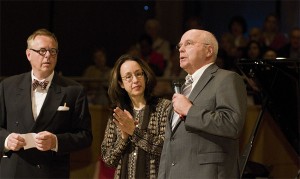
279 81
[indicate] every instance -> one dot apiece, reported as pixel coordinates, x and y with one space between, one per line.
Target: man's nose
47 54
181 48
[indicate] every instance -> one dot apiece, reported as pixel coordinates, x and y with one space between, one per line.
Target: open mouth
181 58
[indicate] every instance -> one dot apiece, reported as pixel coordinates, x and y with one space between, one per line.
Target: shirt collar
196 76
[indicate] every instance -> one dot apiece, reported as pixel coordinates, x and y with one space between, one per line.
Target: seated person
100 72
155 60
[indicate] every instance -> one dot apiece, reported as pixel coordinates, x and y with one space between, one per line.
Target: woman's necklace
139 115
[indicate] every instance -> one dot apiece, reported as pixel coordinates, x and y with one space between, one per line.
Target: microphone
177 87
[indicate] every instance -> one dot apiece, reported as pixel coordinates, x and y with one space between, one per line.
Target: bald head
205 37
197 48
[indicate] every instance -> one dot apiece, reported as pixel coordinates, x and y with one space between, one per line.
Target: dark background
82 25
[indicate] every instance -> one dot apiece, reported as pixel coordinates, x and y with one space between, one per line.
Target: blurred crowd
267 42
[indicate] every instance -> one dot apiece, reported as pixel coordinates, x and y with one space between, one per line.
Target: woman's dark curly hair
119 96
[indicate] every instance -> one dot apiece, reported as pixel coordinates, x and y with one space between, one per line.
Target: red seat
105 171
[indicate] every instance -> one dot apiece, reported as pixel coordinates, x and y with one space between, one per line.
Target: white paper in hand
29 139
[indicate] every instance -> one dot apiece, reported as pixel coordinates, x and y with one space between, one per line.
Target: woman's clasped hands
125 122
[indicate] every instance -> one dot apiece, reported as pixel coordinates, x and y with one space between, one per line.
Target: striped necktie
187 85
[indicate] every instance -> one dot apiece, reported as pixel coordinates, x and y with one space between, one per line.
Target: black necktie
42 84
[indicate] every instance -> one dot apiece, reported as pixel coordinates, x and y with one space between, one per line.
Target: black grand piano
278 81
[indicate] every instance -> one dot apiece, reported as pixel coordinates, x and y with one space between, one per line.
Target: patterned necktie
187 85
42 84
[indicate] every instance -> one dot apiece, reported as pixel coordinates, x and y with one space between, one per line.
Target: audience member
269 54
134 51
253 51
44 116
271 35
227 53
155 60
135 131
99 71
292 49
160 45
202 134
255 34
238 28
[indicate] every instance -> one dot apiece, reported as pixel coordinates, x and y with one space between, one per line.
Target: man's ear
28 54
210 51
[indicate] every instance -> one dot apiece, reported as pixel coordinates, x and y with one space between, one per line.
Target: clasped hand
181 104
125 122
44 141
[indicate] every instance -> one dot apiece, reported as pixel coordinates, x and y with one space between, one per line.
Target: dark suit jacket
206 144
72 128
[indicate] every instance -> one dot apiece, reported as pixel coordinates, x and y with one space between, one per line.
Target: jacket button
172 138
173 163
38 166
17 123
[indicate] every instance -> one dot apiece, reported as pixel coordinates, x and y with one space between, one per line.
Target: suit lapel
23 102
53 100
207 75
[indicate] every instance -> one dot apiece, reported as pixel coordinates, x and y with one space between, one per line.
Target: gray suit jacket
206 144
72 128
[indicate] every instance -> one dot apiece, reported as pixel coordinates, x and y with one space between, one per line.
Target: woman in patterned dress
135 131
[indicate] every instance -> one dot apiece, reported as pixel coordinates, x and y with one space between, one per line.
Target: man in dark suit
202 137
43 116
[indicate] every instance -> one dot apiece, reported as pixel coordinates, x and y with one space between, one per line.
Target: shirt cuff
5 145
56 145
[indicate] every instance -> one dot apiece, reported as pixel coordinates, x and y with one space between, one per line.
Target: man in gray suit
43 116
202 136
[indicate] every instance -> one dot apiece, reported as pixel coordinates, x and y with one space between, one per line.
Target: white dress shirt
38 95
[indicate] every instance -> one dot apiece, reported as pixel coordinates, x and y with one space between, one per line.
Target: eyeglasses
188 43
43 51
129 77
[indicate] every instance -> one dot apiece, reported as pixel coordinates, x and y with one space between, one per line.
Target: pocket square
63 108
